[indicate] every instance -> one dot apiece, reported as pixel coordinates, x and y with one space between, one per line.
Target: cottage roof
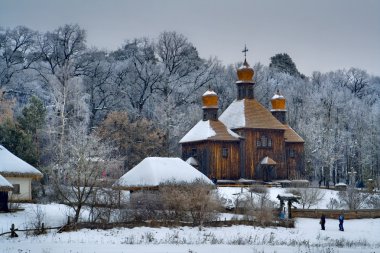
209 130
12 166
248 113
291 135
152 171
5 186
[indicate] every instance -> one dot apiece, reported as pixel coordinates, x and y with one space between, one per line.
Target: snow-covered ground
359 235
231 193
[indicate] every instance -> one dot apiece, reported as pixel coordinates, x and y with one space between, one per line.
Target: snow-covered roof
248 113
152 171
233 116
192 161
11 165
209 93
5 185
209 130
277 96
268 161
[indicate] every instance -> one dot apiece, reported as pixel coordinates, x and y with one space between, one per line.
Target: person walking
323 221
341 219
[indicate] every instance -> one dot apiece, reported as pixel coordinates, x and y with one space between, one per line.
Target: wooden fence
334 214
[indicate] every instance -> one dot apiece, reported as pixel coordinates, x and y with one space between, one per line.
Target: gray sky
319 35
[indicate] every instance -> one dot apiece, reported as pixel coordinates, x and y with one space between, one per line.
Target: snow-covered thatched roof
153 171
5 186
12 166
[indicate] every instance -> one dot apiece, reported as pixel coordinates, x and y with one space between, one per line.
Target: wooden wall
210 158
255 154
296 164
243 160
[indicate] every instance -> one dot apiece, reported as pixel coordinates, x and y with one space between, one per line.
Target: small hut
19 173
5 187
153 171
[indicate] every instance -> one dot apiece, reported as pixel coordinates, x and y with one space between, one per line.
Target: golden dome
210 99
245 73
278 102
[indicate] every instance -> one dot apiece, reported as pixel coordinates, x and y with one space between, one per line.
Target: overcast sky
319 35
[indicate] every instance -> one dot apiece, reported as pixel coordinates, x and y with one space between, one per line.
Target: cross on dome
245 50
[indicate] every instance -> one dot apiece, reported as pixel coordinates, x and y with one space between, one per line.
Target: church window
264 141
225 152
258 143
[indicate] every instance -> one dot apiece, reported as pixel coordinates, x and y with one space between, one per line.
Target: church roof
248 113
209 130
12 166
291 135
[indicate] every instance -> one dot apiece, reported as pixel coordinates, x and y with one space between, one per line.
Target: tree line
64 105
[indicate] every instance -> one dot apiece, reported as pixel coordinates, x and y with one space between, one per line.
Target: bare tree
17 52
100 85
77 179
138 73
352 198
308 196
60 65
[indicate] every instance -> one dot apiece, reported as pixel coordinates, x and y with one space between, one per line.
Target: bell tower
279 107
245 79
210 105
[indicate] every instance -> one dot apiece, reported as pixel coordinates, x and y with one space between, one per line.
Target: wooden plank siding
209 155
253 154
244 157
295 161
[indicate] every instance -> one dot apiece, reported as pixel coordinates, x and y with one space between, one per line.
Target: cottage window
16 189
269 142
193 152
204 116
225 152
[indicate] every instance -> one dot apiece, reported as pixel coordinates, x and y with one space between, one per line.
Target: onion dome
278 102
210 99
245 73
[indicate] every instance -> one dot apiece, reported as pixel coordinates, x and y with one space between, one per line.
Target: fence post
13 231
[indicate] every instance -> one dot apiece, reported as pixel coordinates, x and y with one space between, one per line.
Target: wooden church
246 141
